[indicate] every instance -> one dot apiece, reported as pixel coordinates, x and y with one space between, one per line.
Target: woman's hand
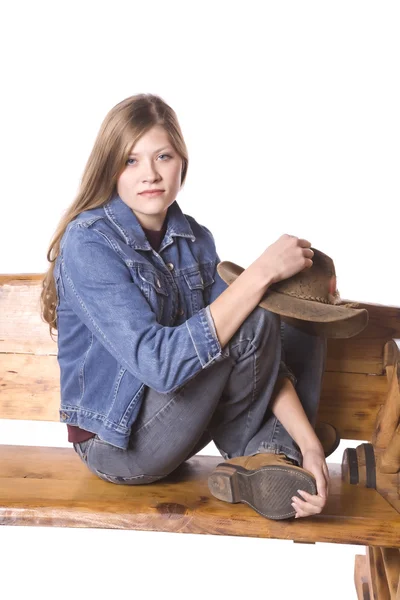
285 257
313 461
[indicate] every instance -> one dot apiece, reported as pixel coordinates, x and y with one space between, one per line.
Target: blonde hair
123 125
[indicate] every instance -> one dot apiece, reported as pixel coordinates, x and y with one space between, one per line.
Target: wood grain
30 389
391 562
51 486
361 577
20 310
21 326
379 589
389 416
364 352
351 401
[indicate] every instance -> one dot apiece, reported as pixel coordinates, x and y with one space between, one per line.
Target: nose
150 173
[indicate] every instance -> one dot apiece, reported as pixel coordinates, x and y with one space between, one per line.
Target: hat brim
331 320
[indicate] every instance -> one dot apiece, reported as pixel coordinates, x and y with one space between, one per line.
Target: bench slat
364 352
29 389
351 402
21 326
20 306
51 486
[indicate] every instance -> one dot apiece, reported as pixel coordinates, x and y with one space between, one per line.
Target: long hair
123 125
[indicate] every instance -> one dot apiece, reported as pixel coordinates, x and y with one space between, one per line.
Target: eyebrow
155 152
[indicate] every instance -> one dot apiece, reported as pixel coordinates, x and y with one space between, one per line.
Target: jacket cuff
204 336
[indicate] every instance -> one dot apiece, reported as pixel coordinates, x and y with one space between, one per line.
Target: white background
290 111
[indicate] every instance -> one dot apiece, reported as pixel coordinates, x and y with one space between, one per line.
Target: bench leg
361 577
387 427
377 574
361 466
377 465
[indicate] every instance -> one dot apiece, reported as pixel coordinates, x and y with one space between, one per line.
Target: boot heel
223 483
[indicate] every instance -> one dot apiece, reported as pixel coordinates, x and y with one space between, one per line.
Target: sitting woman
158 355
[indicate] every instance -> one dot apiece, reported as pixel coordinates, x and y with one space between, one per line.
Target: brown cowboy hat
309 300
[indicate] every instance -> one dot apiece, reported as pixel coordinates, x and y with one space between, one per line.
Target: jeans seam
145 425
83 453
274 431
282 449
109 477
255 379
243 340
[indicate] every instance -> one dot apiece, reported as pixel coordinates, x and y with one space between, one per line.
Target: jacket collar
125 220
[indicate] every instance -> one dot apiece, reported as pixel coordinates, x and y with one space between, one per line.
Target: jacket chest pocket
154 289
198 288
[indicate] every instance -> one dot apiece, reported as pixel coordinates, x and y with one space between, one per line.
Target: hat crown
318 283
308 300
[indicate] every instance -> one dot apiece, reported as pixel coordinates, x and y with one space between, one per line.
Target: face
152 164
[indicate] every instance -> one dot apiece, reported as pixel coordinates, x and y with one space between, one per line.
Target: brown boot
328 436
265 481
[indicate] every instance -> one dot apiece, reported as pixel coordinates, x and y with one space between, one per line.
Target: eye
131 159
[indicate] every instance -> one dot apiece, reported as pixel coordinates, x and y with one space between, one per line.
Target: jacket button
170 266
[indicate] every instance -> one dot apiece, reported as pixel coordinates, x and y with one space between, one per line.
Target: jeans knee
293 338
270 322
260 328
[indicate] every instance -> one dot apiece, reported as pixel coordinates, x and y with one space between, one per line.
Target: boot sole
268 490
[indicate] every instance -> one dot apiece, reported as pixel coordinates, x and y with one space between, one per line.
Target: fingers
300 241
308 254
327 477
321 484
311 505
309 263
304 243
314 500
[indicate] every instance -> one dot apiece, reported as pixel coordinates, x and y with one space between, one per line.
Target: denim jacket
129 317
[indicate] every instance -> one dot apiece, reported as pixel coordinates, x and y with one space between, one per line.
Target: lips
151 192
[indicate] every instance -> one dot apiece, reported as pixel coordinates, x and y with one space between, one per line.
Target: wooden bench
361 398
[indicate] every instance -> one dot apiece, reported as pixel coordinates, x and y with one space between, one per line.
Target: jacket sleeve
98 287
219 284
218 287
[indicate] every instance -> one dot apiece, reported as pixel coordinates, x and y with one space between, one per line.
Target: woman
157 355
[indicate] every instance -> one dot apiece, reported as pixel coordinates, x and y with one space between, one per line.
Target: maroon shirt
76 434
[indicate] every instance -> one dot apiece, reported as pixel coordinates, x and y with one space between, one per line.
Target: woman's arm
286 406
282 259
96 284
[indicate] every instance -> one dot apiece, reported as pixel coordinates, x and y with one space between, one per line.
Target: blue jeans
227 402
